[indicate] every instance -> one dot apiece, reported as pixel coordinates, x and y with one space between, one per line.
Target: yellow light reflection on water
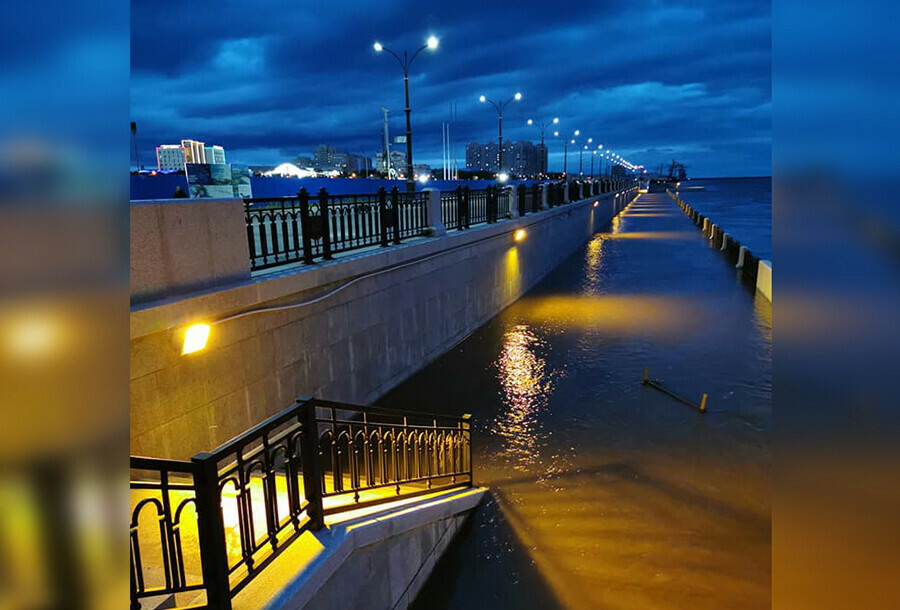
616 315
526 385
594 264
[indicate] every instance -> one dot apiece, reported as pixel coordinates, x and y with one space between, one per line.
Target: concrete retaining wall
179 247
352 346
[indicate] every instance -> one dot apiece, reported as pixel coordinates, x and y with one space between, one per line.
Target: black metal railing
282 230
212 524
163 494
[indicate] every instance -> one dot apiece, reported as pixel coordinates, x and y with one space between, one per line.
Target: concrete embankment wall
377 561
351 346
756 272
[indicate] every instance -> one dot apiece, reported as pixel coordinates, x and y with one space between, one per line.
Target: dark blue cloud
269 81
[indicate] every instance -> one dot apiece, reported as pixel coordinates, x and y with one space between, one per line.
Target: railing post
211 531
303 199
382 215
326 224
464 204
520 200
459 208
395 213
467 432
492 203
309 461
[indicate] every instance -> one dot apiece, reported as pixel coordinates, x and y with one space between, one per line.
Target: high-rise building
323 157
214 154
519 158
169 157
174 156
193 151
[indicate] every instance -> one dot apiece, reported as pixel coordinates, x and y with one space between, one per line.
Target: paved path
609 494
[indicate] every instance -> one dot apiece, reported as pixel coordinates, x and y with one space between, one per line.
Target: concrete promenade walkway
610 494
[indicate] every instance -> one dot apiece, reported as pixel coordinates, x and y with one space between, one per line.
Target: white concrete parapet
436 226
513 201
740 262
764 279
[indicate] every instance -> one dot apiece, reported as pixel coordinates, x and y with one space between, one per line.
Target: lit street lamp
566 154
499 106
431 44
543 150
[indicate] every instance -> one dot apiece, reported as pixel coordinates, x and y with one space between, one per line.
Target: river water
741 206
606 493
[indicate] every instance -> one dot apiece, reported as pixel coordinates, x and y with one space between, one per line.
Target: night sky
271 80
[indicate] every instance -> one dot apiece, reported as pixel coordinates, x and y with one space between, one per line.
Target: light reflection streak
526 387
594 265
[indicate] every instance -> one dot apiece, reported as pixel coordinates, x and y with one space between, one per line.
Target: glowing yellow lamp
596 203
195 338
519 235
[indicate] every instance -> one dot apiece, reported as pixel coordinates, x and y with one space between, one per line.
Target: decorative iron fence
164 490
212 524
306 228
283 230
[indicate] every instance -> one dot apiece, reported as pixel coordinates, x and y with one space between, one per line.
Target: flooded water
741 206
606 493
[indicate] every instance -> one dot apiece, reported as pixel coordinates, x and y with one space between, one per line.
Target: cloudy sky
270 80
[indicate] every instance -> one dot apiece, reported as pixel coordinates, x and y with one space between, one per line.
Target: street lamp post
581 173
543 150
499 106
431 44
566 154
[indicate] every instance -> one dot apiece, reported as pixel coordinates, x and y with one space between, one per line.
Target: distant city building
398 162
193 151
174 156
323 157
169 157
303 161
519 158
214 154
421 169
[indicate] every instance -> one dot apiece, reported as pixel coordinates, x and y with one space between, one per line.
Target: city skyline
232 79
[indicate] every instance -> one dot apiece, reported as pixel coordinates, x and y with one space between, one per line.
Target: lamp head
378 47
517 96
555 120
577 132
556 133
482 99
530 122
590 140
432 42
